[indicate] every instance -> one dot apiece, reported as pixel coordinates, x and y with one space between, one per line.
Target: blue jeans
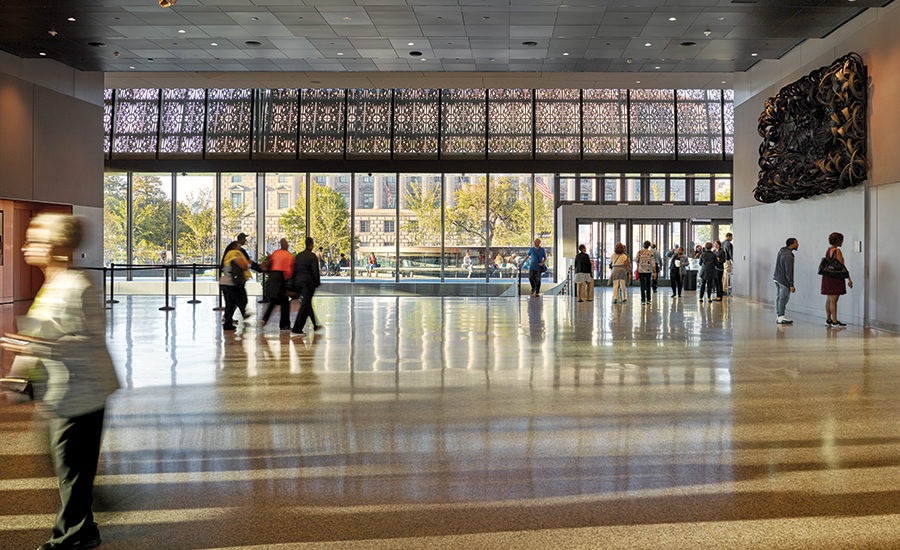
782 295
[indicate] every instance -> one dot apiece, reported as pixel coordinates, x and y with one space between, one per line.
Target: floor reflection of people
536 320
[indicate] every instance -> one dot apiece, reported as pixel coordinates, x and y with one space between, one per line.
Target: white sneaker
784 320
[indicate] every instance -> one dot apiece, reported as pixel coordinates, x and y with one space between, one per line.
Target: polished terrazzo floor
484 423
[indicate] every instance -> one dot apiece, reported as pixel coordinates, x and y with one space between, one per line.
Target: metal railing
113 267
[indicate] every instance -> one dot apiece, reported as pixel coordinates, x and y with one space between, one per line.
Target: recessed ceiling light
721 19
131 67
492 59
42 53
423 59
181 31
707 32
348 19
637 81
485 17
340 53
72 19
254 18
410 43
648 44
629 60
754 54
673 19
723 82
213 43
657 67
565 53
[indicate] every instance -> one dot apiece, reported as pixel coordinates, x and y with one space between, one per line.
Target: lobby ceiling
661 36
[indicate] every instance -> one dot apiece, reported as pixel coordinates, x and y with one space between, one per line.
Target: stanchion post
105 301
264 299
112 283
193 299
166 307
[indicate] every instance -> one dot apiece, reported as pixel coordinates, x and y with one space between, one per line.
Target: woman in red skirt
832 287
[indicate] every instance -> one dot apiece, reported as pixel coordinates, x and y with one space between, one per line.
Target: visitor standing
834 287
720 270
676 267
646 262
467 265
372 264
728 264
281 266
584 280
708 271
659 264
65 331
619 274
235 274
536 258
784 279
306 279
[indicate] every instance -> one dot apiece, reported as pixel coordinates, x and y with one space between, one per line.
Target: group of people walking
289 277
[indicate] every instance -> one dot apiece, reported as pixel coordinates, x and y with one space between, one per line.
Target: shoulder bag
831 267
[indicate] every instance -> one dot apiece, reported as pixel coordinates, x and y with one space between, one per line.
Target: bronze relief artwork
814 134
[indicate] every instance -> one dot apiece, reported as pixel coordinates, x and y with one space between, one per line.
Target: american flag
544 190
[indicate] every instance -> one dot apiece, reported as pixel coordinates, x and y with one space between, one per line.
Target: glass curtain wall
420 226
195 217
465 235
115 218
508 223
544 218
151 221
375 210
329 220
238 210
285 211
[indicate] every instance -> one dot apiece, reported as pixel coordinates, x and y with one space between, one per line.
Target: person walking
708 271
833 287
306 279
65 331
235 274
537 258
646 262
676 267
784 279
658 259
619 273
281 267
720 270
584 280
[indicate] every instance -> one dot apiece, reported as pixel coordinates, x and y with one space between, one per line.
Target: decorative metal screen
558 123
107 119
729 123
652 122
275 122
228 122
322 123
509 123
137 114
181 132
605 123
416 123
369 123
699 123
463 123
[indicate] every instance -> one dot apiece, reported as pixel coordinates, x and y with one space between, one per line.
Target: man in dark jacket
784 279
306 279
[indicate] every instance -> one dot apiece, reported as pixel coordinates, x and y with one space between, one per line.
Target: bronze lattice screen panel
814 134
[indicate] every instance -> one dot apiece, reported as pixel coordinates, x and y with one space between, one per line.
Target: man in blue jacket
784 279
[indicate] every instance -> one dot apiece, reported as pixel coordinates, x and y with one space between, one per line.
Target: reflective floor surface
484 423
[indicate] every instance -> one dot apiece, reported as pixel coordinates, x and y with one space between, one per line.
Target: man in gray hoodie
784 279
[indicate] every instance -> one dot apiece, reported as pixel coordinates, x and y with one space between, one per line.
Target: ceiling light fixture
340 53
673 19
629 61
565 53
723 82
423 59
52 32
167 3
707 32
410 43
72 19
647 44
42 53
131 67
657 67
348 19
213 43
637 81
181 31
754 54
254 18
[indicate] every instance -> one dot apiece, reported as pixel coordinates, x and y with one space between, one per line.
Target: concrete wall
866 215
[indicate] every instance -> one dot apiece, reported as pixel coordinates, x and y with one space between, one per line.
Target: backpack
237 274
645 261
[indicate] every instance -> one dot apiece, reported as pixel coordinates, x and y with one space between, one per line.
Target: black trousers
646 279
719 290
534 277
677 283
282 301
307 290
655 282
707 286
235 298
75 448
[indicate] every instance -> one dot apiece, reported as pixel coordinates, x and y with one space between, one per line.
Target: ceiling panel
452 35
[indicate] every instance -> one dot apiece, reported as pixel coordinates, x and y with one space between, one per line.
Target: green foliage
421 214
466 216
330 221
115 218
510 216
196 230
152 222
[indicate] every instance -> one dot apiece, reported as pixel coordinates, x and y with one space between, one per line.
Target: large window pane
329 212
605 123
463 123
195 210
509 223
699 123
137 114
678 188
657 188
633 188
152 221
702 188
509 123
115 218
587 188
543 217
612 188
723 188
285 210
557 116
652 121
465 197
376 207
420 225
238 215
568 187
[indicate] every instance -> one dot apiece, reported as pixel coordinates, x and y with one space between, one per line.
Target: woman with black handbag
833 276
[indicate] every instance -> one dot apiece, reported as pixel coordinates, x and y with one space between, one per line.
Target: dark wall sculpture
814 134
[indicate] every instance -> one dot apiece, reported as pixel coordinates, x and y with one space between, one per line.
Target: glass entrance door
600 238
